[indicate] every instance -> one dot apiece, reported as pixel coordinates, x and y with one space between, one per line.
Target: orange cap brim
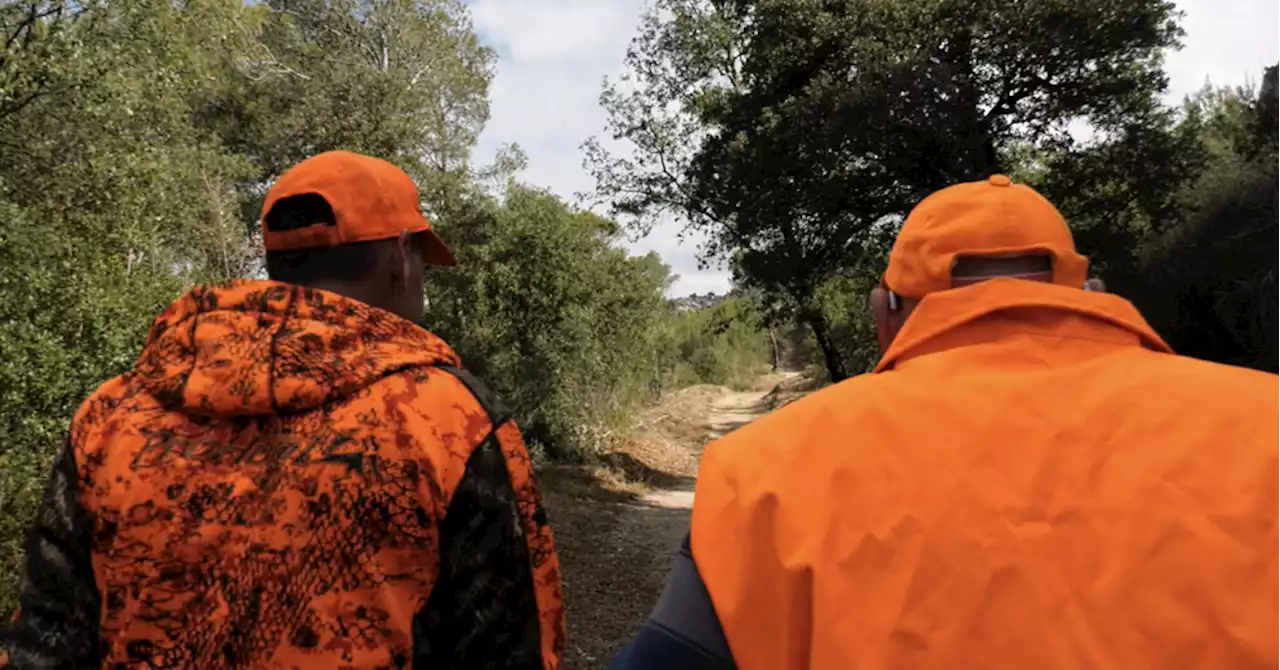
436 252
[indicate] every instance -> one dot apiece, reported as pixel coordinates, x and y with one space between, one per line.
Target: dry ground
617 523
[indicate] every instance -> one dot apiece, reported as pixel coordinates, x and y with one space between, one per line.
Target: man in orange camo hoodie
295 474
1030 479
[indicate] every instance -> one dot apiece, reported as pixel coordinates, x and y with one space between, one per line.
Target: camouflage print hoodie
289 479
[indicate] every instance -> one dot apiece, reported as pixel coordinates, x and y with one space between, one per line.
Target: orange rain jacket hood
266 488
265 348
1031 480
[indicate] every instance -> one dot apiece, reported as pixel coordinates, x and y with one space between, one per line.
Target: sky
554 54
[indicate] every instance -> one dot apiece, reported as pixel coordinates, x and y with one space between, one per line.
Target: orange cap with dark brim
989 218
371 199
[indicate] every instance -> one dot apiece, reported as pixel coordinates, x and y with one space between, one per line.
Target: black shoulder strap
497 410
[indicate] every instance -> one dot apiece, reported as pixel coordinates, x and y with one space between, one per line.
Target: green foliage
794 132
1177 210
543 306
136 139
132 138
1204 309
724 344
1227 209
65 326
1122 187
110 202
571 331
685 60
406 80
846 306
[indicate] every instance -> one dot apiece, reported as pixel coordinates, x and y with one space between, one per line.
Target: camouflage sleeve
482 612
58 602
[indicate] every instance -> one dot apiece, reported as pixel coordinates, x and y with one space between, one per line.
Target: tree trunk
1265 114
773 341
990 159
830 353
979 159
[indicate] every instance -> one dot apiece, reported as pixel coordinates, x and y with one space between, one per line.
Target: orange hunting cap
371 200
987 218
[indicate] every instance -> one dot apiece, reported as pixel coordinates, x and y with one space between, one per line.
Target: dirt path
724 414
614 548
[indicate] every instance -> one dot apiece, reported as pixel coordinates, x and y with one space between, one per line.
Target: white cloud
1227 43
552 57
553 54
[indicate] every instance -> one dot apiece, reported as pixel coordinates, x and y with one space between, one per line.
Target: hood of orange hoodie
253 348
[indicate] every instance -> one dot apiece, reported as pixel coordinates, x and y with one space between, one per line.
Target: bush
845 302
724 344
67 322
1206 310
574 333
545 309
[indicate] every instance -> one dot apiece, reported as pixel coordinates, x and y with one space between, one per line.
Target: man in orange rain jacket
295 474
1030 479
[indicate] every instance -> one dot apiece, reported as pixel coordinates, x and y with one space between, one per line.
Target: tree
404 80
1122 187
723 342
39 35
110 203
1266 112
137 136
545 307
687 57
1211 278
796 132
1180 217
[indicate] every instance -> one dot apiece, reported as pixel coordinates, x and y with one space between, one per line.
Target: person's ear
886 328
400 258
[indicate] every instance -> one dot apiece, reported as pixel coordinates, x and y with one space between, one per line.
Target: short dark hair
308 267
